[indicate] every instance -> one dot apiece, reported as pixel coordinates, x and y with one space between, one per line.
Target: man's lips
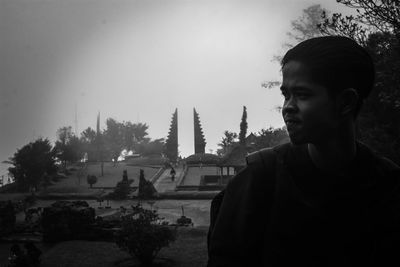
292 123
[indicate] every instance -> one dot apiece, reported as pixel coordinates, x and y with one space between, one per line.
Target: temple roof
204 158
235 158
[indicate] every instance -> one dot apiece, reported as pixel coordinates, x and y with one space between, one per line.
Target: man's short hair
336 62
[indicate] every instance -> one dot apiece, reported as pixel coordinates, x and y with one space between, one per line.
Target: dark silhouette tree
99 141
32 163
91 180
243 128
113 138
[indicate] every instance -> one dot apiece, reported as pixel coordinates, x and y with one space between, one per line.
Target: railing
157 175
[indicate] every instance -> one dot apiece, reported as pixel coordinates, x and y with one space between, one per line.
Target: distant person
324 199
172 173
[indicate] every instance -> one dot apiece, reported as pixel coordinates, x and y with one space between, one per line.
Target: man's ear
348 100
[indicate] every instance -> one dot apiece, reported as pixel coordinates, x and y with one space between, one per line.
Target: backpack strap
263 160
263 165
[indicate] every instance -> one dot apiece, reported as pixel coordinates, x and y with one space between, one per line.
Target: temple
171 145
199 141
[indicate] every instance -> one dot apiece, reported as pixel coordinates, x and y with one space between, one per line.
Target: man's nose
289 106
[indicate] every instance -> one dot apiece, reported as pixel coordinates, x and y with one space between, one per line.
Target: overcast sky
139 60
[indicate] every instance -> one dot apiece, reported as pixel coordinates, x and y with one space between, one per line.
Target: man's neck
333 156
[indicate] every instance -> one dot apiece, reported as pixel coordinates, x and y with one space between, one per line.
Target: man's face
309 111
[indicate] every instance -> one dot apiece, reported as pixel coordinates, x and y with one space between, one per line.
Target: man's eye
301 95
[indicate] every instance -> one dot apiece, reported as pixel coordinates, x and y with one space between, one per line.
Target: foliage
243 127
122 189
270 137
229 139
153 147
113 136
372 16
32 163
134 133
91 180
143 234
303 28
68 147
65 220
88 140
306 26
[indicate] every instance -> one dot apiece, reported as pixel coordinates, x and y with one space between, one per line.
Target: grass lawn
76 181
189 250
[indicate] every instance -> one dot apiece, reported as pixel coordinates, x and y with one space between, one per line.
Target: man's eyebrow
296 88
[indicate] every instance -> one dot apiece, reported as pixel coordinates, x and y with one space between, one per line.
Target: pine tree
243 128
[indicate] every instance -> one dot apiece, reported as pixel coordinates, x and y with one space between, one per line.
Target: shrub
122 190
143 233
91 180
65 220
7 217
123 187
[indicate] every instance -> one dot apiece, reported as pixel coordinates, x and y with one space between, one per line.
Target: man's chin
297 140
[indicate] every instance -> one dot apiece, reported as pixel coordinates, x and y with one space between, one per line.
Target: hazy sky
138 61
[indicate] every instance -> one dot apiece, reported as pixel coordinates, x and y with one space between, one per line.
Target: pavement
164 183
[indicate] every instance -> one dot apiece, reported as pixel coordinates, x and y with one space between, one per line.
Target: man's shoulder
260 169
268 152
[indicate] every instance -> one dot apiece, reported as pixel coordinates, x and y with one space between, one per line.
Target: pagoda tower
171 145
199 141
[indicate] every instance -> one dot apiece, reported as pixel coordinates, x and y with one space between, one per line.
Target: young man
324 199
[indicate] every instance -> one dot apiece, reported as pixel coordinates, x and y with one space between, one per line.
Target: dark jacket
264 218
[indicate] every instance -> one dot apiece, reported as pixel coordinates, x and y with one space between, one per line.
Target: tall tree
99 145
227 142
113 137
68 147
271 137
133 134
88 140
304 27
32 163
243 128
151 147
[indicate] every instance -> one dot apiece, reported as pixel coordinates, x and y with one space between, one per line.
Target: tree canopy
32 163
243 127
